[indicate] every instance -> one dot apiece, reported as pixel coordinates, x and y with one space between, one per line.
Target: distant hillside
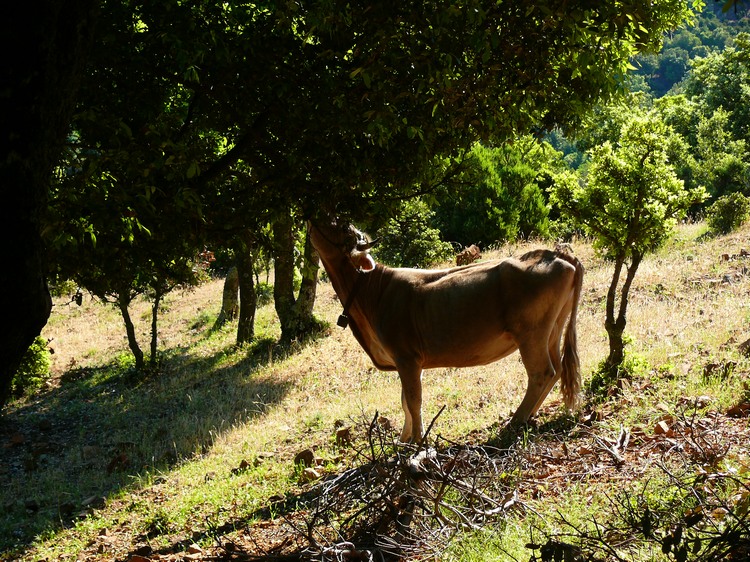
713 31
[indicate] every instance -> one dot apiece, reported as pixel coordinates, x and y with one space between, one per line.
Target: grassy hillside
196 461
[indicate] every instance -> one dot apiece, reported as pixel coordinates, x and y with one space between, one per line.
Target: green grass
205 445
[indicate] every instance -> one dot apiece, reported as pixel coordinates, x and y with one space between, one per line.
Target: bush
63 288
409 241
34 369
604 378
264 293
728 213
497 197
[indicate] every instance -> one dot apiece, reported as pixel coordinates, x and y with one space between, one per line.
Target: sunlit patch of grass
203 319
521 532
496 542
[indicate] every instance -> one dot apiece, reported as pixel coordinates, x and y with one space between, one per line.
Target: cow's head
360 253
344 237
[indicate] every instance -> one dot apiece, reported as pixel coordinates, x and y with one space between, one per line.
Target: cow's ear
364 262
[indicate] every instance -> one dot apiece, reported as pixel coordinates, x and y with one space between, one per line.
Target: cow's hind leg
556 360
406 431
411 401
541 377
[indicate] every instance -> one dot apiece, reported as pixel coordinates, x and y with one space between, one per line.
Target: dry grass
182 435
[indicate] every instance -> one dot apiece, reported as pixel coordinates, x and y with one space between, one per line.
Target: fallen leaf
697 401
244 465
343 436
662 428
719 513
385 423
739 410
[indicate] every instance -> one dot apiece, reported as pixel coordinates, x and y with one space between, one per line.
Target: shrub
264 293
498 196
728 213
63 288
604 378
409 241
34 369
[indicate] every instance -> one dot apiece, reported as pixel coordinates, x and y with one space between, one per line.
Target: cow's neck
358 293
358 281
350 285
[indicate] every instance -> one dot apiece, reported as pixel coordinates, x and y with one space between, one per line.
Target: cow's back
470 315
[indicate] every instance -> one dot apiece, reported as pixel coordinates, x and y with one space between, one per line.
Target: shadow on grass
109 428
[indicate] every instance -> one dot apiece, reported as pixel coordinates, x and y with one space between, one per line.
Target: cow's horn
363 247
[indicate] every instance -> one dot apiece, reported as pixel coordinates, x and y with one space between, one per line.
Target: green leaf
191 74
193 170
124 127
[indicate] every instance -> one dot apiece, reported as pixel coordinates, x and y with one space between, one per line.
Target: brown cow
411 319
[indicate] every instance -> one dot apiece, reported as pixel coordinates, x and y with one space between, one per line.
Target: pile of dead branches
406 500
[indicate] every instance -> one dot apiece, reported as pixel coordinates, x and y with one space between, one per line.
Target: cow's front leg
411 401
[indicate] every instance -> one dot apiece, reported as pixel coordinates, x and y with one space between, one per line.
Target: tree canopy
711 33
236 111
324 101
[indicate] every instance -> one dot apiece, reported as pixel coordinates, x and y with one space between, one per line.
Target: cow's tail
570 377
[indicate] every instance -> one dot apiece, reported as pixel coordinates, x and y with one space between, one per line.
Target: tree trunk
229 299
123 302
309 286
248 296
616 346
51 40
283 270
295 314
154 331
616 326
613 328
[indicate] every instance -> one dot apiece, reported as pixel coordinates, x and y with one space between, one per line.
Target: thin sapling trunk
615 326
123 302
